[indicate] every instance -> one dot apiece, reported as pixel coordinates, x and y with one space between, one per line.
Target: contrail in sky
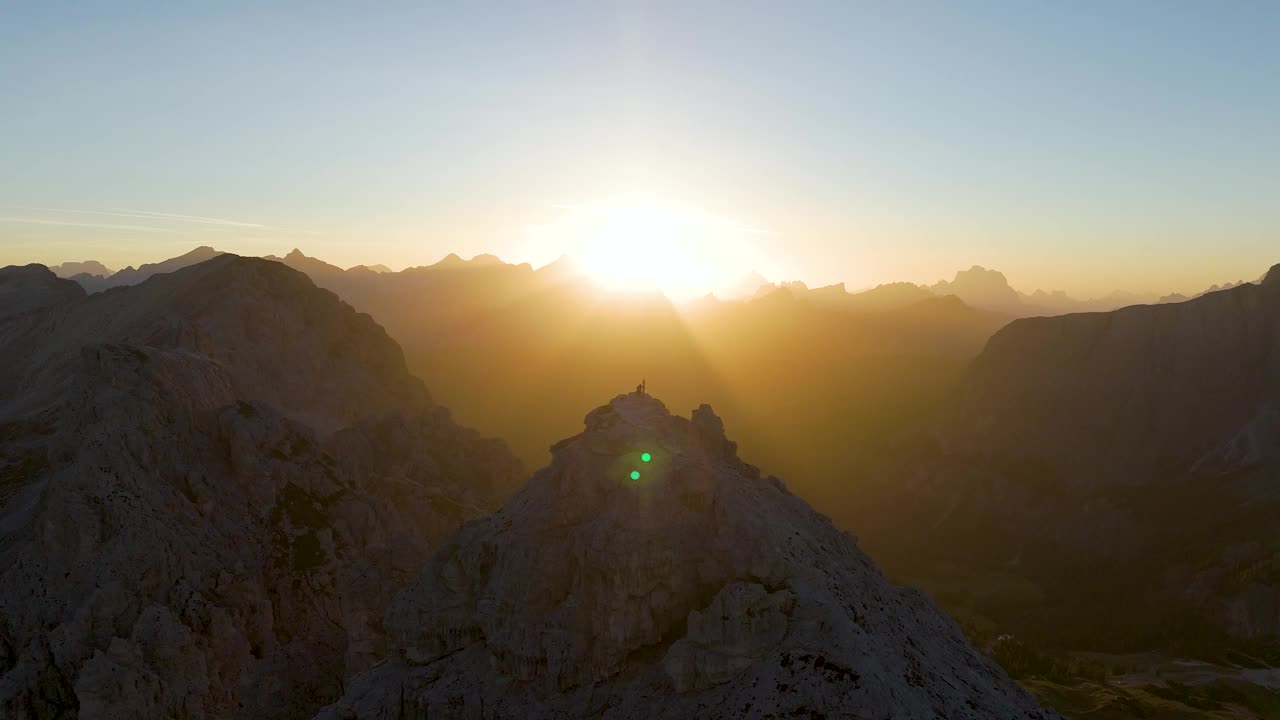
102 226
209 220
172 217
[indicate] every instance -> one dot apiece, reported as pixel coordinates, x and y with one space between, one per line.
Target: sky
1080 146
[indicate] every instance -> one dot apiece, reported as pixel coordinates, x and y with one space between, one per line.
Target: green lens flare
646 457
635 474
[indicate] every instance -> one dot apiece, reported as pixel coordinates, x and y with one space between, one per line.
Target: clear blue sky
1081 146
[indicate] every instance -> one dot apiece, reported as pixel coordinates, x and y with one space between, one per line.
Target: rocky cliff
1136 449
210 485
647 572
1125 395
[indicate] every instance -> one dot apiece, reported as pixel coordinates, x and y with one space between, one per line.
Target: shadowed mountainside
691 587
1105 482
31 288
210 485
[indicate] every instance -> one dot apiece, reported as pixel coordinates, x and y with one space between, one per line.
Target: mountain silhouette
88 267
32 288
211 483
647 572
980 287
93 282
1135 448
312 267
1146 389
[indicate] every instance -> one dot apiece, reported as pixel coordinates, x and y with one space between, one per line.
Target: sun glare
636 244
637 248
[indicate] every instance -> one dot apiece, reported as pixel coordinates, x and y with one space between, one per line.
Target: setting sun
638 244
638 247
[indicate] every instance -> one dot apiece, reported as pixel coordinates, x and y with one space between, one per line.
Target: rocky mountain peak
485 259
634 439
280 339
211 483
89 267
977 271
647 572
95 282
26 274
1272 278
635 416
633 411
982 288
32 287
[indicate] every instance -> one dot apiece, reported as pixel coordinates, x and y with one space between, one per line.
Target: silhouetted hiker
640 388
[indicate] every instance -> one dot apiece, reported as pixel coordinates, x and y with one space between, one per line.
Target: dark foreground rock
698 589
211 484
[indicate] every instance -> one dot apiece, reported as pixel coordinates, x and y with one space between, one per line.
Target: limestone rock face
681 585
211 484
743 622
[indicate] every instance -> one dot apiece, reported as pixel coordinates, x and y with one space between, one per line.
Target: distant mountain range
88 267
1179 297
97 282
554 341
978 287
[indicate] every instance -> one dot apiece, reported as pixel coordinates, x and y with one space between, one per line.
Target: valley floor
1162 688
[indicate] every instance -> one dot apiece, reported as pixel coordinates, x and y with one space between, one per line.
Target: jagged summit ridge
642 423
698 588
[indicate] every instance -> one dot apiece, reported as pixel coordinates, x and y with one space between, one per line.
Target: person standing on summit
640 387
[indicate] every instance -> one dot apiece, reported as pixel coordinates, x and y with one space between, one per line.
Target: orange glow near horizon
637 244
